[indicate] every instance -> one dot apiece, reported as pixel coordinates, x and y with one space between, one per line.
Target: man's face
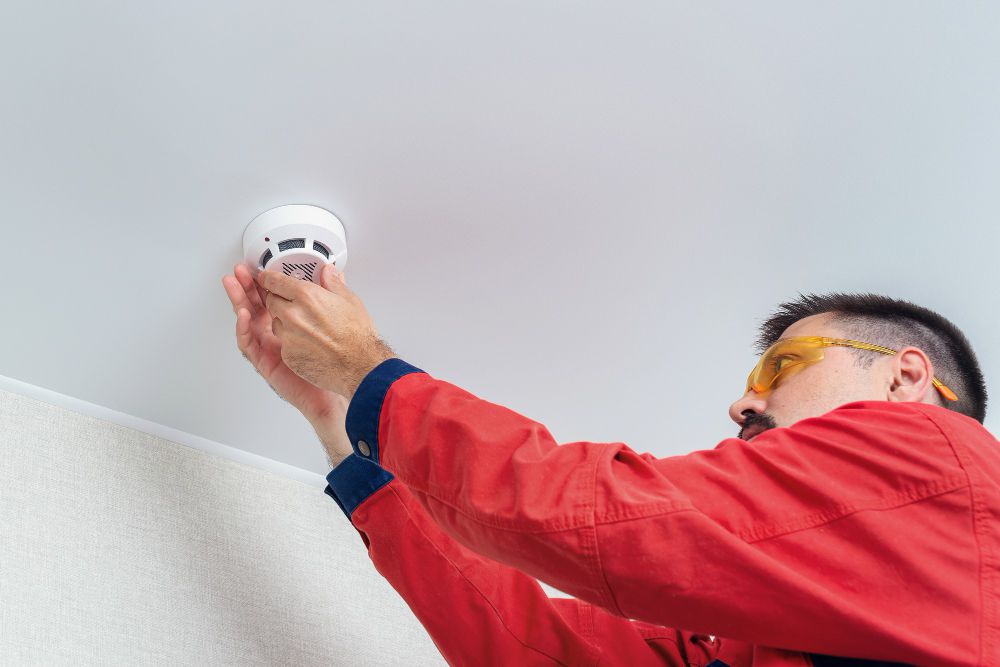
812 391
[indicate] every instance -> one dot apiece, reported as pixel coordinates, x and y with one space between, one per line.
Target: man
855 516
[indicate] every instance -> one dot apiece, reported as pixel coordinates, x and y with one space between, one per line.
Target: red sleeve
846 534
479 612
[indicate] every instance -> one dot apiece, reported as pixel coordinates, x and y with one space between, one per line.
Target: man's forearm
479 612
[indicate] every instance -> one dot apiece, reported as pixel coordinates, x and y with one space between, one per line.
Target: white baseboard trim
161 431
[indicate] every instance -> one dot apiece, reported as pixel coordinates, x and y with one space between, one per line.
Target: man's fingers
261 294
243 292
281 285
235 293
250 287
276 305
244 339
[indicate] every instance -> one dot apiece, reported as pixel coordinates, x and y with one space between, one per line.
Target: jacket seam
601 575
648 509
658 633
509 525
899 500
979 518
840 511
581 521
915 494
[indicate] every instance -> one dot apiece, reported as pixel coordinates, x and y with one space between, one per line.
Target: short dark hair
892 323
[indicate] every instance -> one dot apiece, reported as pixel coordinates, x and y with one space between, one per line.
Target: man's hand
262 348
325 410
325 333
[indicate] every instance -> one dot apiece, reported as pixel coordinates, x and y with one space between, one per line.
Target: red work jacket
870 532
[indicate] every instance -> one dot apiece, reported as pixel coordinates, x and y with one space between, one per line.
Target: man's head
927 345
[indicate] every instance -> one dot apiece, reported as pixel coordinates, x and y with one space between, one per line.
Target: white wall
119 547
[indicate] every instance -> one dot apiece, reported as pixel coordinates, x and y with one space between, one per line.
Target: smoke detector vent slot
320 248
291 243
265 259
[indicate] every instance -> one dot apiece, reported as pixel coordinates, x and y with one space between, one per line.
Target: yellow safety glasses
790 355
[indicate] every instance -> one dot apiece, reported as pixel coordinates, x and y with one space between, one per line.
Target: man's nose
751 401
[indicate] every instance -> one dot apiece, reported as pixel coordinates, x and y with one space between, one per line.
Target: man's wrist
380 353
335 461
334 439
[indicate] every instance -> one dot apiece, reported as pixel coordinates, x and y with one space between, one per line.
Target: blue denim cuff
366 406
353 480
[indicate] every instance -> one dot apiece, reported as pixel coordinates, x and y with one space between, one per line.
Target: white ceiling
578 210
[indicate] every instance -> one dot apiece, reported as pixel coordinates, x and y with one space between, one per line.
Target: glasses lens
781 359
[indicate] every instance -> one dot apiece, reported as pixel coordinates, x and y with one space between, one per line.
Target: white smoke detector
297 240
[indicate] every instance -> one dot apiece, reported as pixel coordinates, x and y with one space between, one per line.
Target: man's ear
912 375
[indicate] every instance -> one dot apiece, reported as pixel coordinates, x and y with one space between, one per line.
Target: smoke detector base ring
295 239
